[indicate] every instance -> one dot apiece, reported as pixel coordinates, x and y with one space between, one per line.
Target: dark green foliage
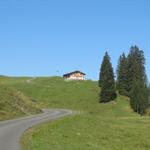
106 81
139 97
149 90
149 94
122 75
132 79
137 80
135 67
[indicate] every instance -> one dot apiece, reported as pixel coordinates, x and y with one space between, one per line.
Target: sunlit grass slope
77 95
111 126
14 103
55 92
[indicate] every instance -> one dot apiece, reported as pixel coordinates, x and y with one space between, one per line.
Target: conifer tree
122 75
135 67
139 97
137 80
107 81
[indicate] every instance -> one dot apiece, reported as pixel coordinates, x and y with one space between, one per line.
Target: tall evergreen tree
139 97
135 67
122 75
107 81
137 80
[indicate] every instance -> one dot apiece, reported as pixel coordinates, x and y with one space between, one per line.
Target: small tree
107 81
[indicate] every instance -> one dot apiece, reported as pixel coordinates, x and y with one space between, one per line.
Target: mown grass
111 126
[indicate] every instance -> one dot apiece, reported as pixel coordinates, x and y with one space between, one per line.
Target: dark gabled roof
77 71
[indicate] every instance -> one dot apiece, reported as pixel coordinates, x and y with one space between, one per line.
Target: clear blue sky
52 37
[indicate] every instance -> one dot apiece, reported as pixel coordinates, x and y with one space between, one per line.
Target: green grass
55 92
14 103
111 126
88 132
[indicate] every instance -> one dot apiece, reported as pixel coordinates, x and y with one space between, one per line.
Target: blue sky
52 37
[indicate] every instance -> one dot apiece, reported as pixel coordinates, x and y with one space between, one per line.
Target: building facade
76 75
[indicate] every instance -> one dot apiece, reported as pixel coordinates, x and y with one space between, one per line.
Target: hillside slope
13 104
111 126
56 92
95 126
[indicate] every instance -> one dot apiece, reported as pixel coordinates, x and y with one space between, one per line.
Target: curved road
12 130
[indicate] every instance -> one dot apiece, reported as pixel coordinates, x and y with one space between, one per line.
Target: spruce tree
135 59
137 80
122 75
107 81
139 97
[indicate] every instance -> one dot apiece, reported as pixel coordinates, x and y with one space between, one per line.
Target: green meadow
93 126
13 103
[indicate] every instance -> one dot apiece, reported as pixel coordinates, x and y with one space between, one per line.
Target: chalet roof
77 71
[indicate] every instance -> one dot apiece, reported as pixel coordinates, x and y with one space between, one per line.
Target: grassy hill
14 103
55 92
111 126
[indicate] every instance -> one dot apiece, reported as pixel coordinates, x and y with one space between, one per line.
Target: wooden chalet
76 75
